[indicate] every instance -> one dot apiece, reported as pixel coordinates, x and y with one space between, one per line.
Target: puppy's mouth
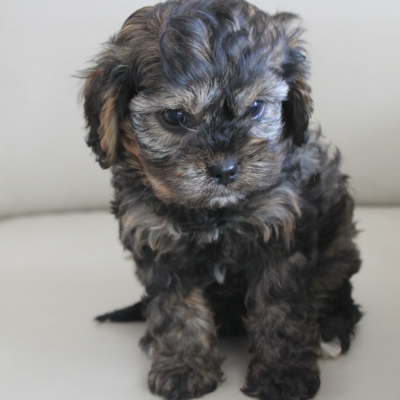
223 201
204 193
197 185
216 195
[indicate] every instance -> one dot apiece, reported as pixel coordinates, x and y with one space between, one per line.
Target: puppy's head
203 98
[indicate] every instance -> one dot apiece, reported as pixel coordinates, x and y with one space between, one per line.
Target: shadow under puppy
237 219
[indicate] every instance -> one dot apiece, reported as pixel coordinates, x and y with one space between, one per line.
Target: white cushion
59 271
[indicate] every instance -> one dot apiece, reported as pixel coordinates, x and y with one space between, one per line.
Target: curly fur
269 255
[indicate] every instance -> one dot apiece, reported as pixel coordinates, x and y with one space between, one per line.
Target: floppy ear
100 105
109 87
298 107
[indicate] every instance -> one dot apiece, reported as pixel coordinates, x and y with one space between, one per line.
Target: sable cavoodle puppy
237 218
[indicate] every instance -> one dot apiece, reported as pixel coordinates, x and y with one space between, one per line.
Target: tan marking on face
129 140
256 141
132 153
159 188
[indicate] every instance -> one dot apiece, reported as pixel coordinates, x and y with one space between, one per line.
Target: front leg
283 335
182 340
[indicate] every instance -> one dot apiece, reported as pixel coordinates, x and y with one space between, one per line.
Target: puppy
238 220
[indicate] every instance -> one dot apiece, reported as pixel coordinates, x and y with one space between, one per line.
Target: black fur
270 254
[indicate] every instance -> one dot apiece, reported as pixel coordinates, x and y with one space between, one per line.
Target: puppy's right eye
174 117
256 109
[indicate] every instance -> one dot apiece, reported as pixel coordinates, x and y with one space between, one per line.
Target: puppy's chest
228 249
221 239
224 246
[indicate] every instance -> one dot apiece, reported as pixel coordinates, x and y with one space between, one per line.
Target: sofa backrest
46 166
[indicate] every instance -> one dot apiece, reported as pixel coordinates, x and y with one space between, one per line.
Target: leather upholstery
59 271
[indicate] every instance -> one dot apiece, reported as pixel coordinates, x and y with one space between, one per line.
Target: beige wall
45 165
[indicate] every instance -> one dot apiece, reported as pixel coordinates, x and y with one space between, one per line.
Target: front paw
179 381
290 382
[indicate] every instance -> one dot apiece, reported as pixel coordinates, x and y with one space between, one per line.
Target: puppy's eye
174 117
256 109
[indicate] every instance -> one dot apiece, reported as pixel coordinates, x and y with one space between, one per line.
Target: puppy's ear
101 113
298 107
109 87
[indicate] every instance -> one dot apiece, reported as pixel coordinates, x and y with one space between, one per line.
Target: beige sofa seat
59 271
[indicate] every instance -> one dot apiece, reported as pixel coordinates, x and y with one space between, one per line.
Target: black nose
224 172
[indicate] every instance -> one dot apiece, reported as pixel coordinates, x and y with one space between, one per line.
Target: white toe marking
331 349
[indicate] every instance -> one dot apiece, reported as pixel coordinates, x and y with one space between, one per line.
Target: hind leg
338 317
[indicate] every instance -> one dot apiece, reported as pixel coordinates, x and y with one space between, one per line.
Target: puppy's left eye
256 110
174 117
